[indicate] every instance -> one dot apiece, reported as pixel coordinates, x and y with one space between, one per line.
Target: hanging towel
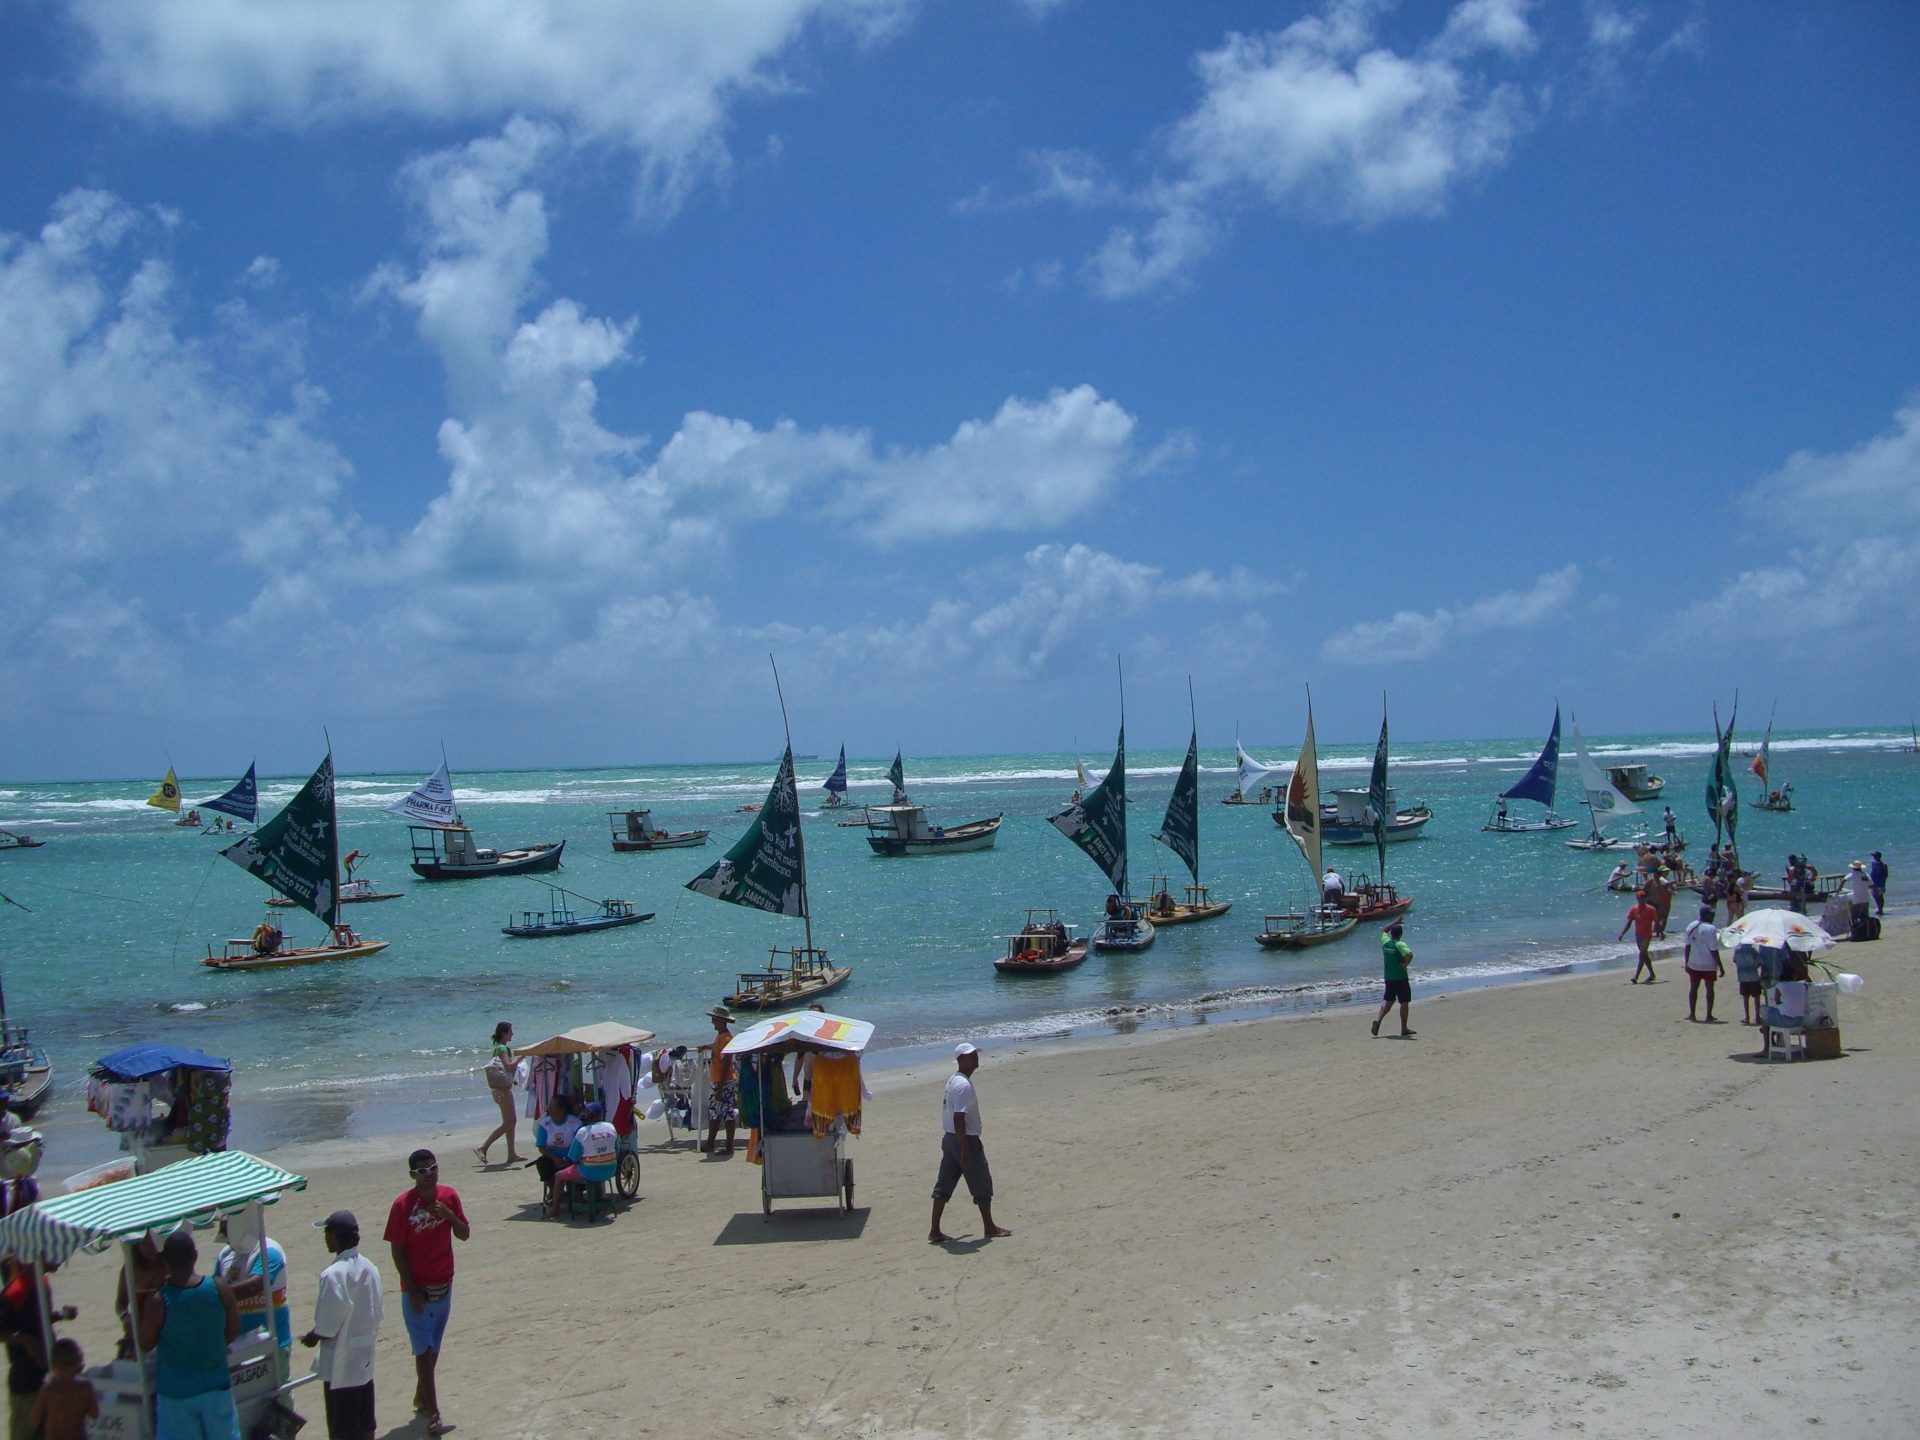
836 1091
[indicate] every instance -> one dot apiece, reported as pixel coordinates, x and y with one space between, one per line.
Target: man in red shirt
1642 917
421 1228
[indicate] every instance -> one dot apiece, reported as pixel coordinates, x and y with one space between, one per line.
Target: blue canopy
149 1058
1538 783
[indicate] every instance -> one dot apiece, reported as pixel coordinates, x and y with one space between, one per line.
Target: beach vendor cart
166 1102
199 1191
593 1063
803 1145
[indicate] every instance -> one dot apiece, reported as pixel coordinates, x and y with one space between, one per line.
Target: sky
519 375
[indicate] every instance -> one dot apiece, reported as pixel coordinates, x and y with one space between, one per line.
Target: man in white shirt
961 1151
346 1319
1332 887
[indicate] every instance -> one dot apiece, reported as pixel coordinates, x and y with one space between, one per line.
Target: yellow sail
167 797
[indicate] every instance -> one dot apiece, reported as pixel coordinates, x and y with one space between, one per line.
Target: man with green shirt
1397 955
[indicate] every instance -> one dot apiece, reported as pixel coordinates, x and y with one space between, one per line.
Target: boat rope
173 951
69 890
15 903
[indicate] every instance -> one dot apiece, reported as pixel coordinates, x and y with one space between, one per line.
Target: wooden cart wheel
847 1184
627 1180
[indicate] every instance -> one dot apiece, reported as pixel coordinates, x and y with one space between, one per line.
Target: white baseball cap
963 1048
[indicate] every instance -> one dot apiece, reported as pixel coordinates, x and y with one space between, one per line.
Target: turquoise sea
109 920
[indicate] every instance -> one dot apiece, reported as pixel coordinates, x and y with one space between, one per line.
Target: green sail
1180 831
297 852
1098 822
1723 799
897 773
767 867
1377 796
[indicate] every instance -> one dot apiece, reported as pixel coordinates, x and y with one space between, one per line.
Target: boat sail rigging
430 803
1180 833
836 783
443 846
1302 819
1538 785
1772 796
1252 776
1603 801
166 795
1097 823
766 869
1723 799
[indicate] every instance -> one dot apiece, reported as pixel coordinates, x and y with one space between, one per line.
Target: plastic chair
587 1195
1785 1041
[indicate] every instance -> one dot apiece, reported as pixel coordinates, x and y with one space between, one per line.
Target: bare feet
998 1232
938 1238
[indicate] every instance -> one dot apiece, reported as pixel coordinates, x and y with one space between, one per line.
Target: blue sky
519 375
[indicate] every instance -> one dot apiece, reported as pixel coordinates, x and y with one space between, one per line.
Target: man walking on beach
346 1320
1641 917
421 1228
1877 877
1396 956
1702 948
723 1081
188 1329
961 1150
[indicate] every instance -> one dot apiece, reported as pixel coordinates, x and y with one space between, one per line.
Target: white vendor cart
798 1164
200 1192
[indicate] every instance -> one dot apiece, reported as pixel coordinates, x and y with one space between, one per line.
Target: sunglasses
426 1170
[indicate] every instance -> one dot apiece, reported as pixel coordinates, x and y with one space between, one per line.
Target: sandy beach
1560 1209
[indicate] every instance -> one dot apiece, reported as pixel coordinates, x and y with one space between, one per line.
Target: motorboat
1045 946
559 918
635 830
1634 782
905 830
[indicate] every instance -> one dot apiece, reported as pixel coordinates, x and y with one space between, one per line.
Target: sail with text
1253 774
767 867
1377 804
166 795
1606 803
897 773
836 784
297 852
1097 821
242 801
430 803
1180 830
1543 776
1723 800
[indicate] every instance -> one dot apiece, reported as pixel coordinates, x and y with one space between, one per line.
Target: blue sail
242 801
837 781
1538 782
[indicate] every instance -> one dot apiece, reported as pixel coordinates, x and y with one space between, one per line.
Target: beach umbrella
1776 929
811 1027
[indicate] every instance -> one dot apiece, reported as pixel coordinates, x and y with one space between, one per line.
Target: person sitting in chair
266 938
595 1153
553 1135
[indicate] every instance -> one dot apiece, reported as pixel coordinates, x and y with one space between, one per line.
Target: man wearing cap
255 1269
188 1328
421 1228
723 1078
961 1150
1859 896
346 1319
1877 878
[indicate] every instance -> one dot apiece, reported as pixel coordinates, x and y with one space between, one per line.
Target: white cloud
1321 120
655 79
1842 537
1412 635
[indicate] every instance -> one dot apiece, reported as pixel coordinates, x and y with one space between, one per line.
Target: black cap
342 1221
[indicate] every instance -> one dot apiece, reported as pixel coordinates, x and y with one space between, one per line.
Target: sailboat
902 828
166 796
1723 797
297 853
242 801
1536 785
1604 803
1097 823
1251 772
1082 777
443 847
836 784
1371 816
1180 833
767 870
1300 813
1775 797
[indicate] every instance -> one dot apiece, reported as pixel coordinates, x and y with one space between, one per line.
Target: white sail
1083 781
1606 803
1253 774
431 802
1302 803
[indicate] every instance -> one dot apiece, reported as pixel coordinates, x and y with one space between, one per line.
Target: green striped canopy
200 1190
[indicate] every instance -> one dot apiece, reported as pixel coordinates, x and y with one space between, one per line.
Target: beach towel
836 1092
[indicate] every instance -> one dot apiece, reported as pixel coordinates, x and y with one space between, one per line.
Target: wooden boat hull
21 842
287 959
785 996
1184 914
282 903
956 839
527 860
1523 827
684 840
1783 808
35 1080
1073 955
1407 825
573 927
1112 944
1306 937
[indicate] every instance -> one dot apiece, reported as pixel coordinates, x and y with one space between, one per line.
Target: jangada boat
1096 822
1369 900
635 830
1180 832
836 785
1537 785
297 853
11 841
26 1074
766 869
1777 798
559 918
443 847
902 828
352 892
1604 803
1044 946
1301 814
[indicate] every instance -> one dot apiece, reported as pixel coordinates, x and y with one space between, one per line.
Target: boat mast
799 840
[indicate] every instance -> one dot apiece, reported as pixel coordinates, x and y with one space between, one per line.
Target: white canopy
584 1039
808 1027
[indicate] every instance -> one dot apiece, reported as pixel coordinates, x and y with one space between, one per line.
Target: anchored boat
559 918
1097 823
1300 813
902 828
1180 833
1045 946
1537 786
635 830
443 847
